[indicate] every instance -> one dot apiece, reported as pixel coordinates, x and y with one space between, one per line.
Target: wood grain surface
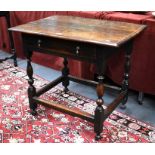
103 32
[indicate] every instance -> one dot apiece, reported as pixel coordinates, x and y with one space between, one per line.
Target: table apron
59 47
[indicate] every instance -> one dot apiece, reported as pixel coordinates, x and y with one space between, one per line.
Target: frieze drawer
76 49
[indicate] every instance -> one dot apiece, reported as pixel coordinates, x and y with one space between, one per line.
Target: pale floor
145 112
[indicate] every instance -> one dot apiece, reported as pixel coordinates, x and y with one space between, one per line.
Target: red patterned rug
50 126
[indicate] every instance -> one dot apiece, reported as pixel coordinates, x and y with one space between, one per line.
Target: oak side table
81 39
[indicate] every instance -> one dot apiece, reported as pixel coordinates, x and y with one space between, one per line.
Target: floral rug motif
17 125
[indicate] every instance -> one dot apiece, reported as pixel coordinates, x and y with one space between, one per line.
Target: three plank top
103 32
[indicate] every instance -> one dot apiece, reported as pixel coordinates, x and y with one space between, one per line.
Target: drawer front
61 47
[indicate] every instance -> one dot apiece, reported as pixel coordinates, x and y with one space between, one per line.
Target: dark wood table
81 39
6 14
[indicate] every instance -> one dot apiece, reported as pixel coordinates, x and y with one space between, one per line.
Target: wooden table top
103 32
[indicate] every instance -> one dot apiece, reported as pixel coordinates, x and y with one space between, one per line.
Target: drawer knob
77 50
39 43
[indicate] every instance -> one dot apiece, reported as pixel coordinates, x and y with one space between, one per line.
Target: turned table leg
14 56
125 83
6 14
31 88
65 73
99 111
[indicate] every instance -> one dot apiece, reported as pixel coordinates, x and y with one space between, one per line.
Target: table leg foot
15 64
123 104
140 103
140 98
66 90
14 57
33 112
98 137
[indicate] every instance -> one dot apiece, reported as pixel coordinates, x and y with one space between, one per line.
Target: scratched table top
103 32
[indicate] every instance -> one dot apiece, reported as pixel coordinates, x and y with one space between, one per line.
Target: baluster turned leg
65 73
99 111
125 84
14 56
6 14
31 88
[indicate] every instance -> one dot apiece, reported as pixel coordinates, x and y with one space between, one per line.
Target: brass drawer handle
39 43
77 50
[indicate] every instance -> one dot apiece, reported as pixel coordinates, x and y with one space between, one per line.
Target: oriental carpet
17 125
